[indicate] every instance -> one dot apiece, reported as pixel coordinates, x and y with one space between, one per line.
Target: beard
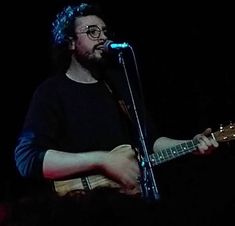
96 65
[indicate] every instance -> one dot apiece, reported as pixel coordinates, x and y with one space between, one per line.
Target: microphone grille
107 45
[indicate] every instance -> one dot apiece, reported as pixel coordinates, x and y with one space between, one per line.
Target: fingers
207 132
131 177
122 167
206 144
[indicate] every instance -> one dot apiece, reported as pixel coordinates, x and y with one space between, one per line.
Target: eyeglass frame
89 34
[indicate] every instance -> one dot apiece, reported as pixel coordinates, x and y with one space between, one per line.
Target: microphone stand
149 190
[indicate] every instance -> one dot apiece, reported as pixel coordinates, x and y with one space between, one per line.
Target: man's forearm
164 142
57 164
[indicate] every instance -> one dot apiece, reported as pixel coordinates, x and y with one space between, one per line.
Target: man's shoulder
51 82
50 85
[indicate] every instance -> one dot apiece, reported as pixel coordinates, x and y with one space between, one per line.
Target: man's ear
71 43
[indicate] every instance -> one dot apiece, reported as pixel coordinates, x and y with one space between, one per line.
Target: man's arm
121 167
206 143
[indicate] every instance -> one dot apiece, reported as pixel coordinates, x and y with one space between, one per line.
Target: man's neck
78 73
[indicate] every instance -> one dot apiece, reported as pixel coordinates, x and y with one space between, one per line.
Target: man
75 125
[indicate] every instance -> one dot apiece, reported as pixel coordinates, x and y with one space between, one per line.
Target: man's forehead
89 20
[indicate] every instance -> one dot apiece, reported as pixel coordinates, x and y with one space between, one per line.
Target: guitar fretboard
173 152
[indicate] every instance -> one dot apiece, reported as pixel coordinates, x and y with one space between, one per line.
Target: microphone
111 45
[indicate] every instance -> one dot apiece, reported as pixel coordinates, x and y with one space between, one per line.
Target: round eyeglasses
94 32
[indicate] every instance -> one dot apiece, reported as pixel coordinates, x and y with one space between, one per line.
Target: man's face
89 38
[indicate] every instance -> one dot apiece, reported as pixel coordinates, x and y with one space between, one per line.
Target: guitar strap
123 106
125 110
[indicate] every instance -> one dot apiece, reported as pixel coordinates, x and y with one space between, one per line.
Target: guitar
86 183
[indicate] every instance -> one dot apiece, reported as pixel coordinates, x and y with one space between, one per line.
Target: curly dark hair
63 25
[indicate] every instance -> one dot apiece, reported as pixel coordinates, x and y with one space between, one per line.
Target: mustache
99 45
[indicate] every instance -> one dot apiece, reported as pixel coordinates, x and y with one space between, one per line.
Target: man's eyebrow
92 25
86 26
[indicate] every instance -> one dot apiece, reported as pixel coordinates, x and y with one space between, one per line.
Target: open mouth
101 48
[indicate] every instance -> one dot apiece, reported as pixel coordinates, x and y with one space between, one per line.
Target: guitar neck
173 152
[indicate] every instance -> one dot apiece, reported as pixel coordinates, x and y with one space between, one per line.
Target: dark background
185 54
